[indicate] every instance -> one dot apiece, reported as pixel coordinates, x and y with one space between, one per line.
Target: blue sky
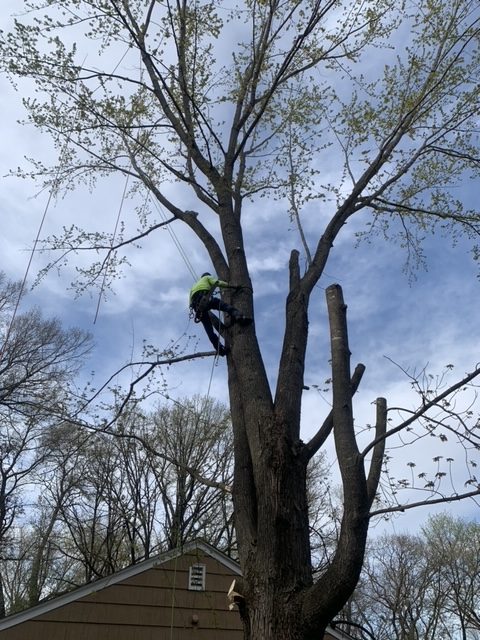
432 320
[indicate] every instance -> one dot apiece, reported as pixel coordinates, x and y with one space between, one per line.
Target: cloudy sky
430 321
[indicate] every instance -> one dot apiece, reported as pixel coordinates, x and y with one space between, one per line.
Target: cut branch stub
342 397
349 460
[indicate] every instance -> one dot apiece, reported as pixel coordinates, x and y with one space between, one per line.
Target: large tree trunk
281 566
271 513
276 562
281 602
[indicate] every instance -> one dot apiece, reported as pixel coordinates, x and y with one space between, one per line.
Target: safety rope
29 264
53 188
172 609
105 270
175 239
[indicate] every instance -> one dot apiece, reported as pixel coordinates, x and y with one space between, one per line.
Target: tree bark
270 495
3 610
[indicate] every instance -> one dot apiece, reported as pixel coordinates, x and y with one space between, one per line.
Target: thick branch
378 450
354 202
290 383
285 71
294 270
176 115
330 593
244 490
190 218
345 441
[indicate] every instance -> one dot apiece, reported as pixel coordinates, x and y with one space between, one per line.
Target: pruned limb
322 434
328 595
378 450
292 362
345 441
294 269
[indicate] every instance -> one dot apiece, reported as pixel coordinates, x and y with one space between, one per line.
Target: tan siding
119 614
141 608
85 631
148 596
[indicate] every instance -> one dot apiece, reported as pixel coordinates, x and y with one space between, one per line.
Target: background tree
403 131
92 513
402 595
325 511
195 434
422 586
38 362
453 545
108 501
37 563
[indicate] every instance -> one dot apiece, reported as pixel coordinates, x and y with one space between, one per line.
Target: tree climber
202 301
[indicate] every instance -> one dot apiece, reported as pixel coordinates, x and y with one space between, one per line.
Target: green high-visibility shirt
207 283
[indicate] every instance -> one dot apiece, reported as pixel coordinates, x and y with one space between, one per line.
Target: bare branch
425 503
160 454
423 410
150 367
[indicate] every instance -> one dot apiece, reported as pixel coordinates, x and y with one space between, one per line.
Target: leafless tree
402 595
421 586
195 433
38 361
453 545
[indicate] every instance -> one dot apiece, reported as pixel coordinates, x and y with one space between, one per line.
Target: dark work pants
214 304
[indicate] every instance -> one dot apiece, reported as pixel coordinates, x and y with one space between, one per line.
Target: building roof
119 576
198 547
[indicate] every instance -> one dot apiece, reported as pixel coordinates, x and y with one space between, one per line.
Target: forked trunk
278 600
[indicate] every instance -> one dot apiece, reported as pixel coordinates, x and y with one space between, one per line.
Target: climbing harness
200 304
